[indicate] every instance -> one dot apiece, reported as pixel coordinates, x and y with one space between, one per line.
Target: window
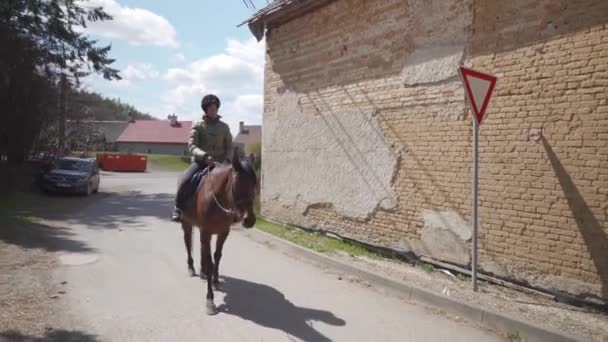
73 165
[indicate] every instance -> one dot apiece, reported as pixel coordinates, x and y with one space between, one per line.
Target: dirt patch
589 324
30 297
27 296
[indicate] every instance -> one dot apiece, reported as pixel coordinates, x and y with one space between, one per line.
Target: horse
226 196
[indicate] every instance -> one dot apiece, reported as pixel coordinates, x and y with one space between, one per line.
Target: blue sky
172 53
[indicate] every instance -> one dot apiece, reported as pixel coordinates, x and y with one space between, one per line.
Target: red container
122 162
99 158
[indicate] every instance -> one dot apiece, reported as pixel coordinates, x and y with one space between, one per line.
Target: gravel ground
590 325
27 295
31 296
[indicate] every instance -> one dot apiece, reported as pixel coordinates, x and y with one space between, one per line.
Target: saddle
196 182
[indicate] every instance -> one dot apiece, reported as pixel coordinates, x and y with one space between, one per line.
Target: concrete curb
499 322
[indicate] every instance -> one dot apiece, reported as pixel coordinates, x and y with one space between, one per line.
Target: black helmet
209 100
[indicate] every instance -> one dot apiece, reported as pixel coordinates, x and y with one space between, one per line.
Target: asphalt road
125 278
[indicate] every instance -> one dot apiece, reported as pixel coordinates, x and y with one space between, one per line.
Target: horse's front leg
217 256
206 253
203 255
187 228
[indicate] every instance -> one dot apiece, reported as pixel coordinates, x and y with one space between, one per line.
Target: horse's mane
248 168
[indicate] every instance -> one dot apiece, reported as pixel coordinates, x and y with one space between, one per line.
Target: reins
217 202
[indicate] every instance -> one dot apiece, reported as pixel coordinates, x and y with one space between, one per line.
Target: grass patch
168 162
28 218
13 202
314 241
428 267
18 200
514 337
31 206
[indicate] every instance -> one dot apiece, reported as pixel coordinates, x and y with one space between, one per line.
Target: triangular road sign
478 88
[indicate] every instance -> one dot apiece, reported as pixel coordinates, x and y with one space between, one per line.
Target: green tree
90 105
55 30
44 55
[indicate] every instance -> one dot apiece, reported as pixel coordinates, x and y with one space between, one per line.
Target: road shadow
268 307
45 222
36 235
50 336
123 209
103 210
591 229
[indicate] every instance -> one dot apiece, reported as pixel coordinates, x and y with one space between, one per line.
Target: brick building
364 96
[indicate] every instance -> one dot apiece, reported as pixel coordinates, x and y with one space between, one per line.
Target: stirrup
176 216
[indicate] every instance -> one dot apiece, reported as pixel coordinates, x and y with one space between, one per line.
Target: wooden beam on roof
280 12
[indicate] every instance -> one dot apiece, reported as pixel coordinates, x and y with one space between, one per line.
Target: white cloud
131 74
250 50
179 57
236 76
135 25
139 71
246 108
121 84
178 75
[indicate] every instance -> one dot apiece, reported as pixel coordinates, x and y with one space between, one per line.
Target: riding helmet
209 100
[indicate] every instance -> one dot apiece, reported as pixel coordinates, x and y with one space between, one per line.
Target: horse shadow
269 308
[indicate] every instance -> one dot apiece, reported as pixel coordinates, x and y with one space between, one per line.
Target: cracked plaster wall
338 154
332 157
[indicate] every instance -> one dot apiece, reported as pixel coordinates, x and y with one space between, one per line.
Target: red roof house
248 136
156 136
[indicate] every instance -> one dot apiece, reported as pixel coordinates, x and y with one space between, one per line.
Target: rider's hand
209 160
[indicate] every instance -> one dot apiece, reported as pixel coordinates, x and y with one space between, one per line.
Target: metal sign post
479 88
474 215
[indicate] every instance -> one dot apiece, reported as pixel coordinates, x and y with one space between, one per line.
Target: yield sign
479 87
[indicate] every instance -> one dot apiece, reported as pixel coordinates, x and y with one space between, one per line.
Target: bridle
235 204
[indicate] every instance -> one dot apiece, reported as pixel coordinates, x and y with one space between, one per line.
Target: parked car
72 175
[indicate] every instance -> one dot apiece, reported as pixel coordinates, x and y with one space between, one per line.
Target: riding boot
186 190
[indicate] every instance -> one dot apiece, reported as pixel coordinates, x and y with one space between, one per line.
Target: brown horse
225 197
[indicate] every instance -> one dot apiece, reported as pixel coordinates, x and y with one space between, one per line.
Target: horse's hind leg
217 256
206 252
187 228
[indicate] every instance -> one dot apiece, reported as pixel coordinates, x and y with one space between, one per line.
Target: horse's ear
236 162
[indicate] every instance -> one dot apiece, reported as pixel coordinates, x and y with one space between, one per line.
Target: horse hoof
192 273
211 309
216 286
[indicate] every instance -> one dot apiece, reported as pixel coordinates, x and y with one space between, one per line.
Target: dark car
73 175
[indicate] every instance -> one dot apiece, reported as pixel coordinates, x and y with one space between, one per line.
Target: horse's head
244 188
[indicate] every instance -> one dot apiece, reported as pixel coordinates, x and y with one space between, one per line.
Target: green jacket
209 137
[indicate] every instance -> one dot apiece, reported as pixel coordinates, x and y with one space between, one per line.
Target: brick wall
551 216
543 202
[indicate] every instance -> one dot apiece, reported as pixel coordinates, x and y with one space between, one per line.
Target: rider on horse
210 142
